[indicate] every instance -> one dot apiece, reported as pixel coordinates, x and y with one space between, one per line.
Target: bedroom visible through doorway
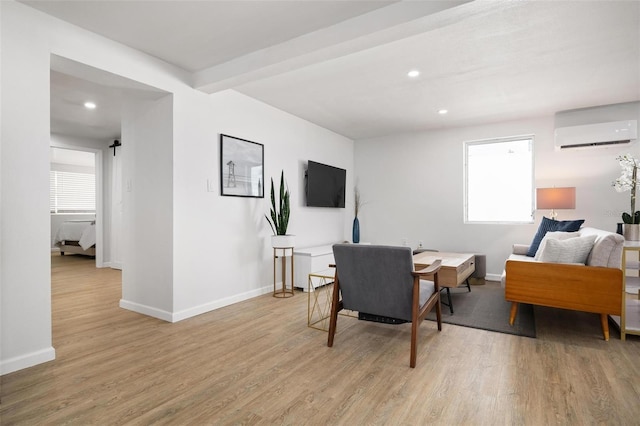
72 201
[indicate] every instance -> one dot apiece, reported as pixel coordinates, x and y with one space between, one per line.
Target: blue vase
355 236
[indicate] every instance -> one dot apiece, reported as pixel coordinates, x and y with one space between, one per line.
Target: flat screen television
325 185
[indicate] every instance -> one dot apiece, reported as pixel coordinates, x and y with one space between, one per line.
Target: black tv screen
325 185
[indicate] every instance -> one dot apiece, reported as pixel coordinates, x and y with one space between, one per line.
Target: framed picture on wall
241 167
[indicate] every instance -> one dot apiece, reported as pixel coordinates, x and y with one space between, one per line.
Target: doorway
75 182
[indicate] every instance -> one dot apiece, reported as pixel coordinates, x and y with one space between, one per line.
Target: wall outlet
419 244
405 241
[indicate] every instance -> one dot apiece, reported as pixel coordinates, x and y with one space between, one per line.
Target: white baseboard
193 311
216 304
146 310
493 277
113 265
27 360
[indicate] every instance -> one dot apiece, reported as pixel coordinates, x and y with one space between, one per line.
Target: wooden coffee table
455 270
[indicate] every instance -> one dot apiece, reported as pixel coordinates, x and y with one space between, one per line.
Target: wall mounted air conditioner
596 135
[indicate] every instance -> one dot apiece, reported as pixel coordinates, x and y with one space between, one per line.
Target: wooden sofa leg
605 326
514 311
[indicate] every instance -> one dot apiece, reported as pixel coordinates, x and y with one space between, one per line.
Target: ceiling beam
385 25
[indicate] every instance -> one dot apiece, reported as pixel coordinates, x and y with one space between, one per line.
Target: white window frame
498 188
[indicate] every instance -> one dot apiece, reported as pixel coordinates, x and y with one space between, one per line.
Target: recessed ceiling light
89 105
442 111
413 73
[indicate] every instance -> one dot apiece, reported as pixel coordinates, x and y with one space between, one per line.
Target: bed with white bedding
77 236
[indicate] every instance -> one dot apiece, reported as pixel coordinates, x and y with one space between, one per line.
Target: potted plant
628 182
279 220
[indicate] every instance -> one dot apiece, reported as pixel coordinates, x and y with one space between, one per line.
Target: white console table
310 260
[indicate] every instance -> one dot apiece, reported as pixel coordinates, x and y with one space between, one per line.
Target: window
72 181
499 180
72 192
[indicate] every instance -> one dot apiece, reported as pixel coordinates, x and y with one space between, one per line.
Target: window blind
72 192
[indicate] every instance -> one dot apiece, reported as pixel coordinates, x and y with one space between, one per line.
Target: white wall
148 207
419 193
114 210
66 141
216 248
222 249
25 335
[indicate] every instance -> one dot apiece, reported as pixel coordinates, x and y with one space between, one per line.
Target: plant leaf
269 222
274 217
285 213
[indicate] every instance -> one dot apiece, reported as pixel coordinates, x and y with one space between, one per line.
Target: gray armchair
381 284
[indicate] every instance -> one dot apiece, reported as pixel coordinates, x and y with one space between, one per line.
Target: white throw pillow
555 235
572 250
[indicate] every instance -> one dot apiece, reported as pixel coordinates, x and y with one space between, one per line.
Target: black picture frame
241 167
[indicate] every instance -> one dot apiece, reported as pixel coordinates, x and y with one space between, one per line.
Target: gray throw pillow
555 235
573 250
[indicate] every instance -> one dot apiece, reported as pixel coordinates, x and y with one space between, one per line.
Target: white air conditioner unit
596 135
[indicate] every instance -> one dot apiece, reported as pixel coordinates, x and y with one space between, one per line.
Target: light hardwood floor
257 362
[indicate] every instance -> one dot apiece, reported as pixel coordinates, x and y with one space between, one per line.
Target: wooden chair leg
335 302
605 326
514 311
414 344
332 327
439 313
416 317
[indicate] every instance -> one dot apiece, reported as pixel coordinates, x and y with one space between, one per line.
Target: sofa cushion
607 249
521 249
552 225
555 235
572 250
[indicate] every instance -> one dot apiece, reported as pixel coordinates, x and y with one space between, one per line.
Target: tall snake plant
279 214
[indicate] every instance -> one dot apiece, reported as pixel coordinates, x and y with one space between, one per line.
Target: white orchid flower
628 181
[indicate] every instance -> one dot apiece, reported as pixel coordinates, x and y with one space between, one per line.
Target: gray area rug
485 308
